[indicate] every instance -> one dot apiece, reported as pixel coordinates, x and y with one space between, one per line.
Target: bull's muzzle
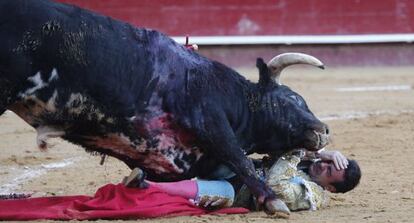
323 139
317 138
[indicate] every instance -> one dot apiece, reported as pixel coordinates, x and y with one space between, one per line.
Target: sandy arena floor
372 125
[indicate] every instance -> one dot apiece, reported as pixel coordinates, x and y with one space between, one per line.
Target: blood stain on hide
167 144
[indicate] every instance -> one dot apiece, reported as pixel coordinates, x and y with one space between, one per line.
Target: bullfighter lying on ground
301 179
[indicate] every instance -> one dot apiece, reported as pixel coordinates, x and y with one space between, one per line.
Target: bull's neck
248 113
261 121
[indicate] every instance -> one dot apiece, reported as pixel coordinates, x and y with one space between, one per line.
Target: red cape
110 202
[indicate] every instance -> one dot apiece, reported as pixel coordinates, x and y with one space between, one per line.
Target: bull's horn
278 63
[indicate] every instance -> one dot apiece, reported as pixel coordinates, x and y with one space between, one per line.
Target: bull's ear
264 72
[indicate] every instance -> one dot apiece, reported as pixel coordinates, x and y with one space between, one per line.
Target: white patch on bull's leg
53 75
76 98
38 83
46 132
96 113
51 103
78 103
110 120
181 156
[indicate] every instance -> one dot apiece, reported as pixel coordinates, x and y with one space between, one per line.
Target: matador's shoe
136 179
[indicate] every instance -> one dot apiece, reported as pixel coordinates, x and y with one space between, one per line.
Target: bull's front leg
222 142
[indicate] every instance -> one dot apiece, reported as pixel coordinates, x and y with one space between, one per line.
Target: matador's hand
339 160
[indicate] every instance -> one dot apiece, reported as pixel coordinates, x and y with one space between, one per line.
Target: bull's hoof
277 208
136 179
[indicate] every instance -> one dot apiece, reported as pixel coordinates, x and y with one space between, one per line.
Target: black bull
137 95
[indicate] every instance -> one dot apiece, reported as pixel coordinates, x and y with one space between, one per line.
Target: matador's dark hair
351 178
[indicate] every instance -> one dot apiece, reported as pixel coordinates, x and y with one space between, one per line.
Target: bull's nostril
327 131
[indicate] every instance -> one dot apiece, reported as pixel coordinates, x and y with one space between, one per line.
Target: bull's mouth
316 140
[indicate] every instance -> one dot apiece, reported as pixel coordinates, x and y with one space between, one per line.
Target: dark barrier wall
261 17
